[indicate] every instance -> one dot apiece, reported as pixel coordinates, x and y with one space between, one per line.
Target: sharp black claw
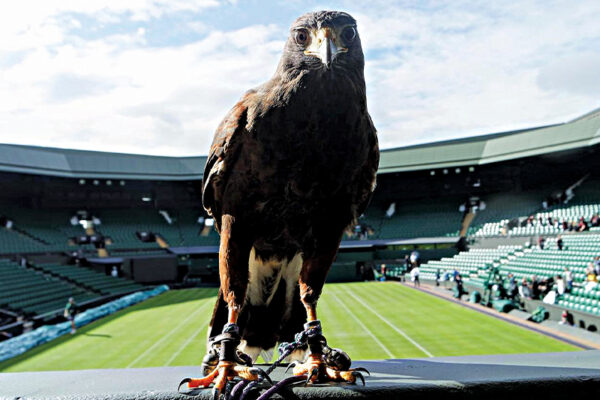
361 369
186 380
358 375
290 365
313 372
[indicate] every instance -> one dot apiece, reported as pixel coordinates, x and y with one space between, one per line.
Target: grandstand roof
479 150
96 164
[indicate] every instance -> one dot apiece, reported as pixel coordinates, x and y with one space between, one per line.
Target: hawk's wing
222 155
369 171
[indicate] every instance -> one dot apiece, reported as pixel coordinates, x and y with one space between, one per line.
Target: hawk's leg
323 363
224 361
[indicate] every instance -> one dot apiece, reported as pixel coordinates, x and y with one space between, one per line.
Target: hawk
291 166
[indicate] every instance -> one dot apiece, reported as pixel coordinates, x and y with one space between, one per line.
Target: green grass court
368 320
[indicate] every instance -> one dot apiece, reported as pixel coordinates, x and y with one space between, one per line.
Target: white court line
362 325
401 332
149 349
183 346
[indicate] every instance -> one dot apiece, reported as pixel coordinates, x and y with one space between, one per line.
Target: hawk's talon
186 380
314 373
359 376
290 365
262 375
361 369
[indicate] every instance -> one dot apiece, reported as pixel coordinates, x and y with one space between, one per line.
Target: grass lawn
368 320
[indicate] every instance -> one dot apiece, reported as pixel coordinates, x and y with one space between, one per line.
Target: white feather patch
252 351
267 354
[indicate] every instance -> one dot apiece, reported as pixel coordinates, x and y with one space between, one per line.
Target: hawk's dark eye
349 34
301 36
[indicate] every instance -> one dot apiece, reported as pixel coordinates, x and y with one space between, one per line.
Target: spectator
115 272
582 225
459 286
407 263
437 277
559 242
70 312
383 268
535 288
597 265
415 258
591 279
541 241
560 285
567 318
414 276
569 279
455 274
513 289
595 220
524 290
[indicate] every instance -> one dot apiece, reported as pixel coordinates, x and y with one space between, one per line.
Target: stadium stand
92 280
530 263
412 220
28 291
143 214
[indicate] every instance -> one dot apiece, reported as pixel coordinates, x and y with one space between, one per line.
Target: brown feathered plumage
291 166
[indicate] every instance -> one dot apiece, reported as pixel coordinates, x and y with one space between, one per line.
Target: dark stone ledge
508 377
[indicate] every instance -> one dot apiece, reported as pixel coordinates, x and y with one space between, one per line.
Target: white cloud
433 72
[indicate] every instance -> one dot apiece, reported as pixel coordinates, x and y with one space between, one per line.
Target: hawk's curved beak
323 45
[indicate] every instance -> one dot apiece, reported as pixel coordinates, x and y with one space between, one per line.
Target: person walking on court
414 275
70 312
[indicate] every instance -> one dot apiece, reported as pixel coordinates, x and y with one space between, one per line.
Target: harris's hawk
291 166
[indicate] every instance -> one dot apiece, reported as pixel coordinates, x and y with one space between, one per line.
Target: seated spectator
545 286
524 290
565 225
582 225
541 241
535 287
595 221
560 285
567 318
591 280
569 279
513 289
597 265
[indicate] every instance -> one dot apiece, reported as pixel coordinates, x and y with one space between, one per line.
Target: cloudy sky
157 76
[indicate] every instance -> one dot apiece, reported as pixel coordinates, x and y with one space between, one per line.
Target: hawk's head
323 40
